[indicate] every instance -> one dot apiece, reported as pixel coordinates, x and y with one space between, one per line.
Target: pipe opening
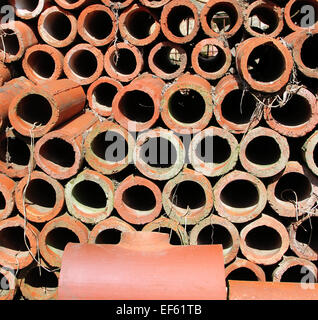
213 149
297 273
83 63
263 20
140 24
188 194
34 109
98 24
12 238
139 198
308 52
58 238
242 274
299 16
110 146
89 194
14 151
295 112
222 17
215 234
307 233
263 238
44 280
315 154
293 186
167 59
3 201
10 43
59 152
181 21
57 25
174 238
137 106
103 95
263 150
159 153
108 236
240 194
42 64
28 5
123 61
40 195
238 107
186 106
5 285
266 63
211 58
71 1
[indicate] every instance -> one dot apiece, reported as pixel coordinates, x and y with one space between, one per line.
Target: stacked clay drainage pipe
193 118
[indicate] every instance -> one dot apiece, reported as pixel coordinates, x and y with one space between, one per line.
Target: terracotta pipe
213 151
264 240
154 4
263 18
123 61
5 74
14 252
167 60
57 27
175 230
138 200
309 151
60 153
297 117
264 152
217 230
72 5
265 63
166 154
109 231
89 196
97 25
10 284
241 265
215 26
42 62
42 108
138 25
56 234
235 108
211 58
43 198
239 196
187 104
292 192
99 151
26 10
136 106
117 4
101 93
286 266
19 37
126 270
187 198
7 188
180 21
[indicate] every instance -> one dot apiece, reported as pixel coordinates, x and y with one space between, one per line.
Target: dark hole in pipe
307 233
159 153
12 238
57 25
167 59
242 274
34 109
263 238
180 21
295 112
139 24
137 106
18 151
110 146
266 63
315 154
188 194
2 201
299 16
108 236
98 24
240 194
103 95
29 5
293 186
139 198
215 234
83 63
58 238
123 61
238 107
40 193
9 43
42 64
308 52
213 149
263 20
90 194
211 58
187 106
297 274
71 1
44 280
59 152
263 150
174 238
5 285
